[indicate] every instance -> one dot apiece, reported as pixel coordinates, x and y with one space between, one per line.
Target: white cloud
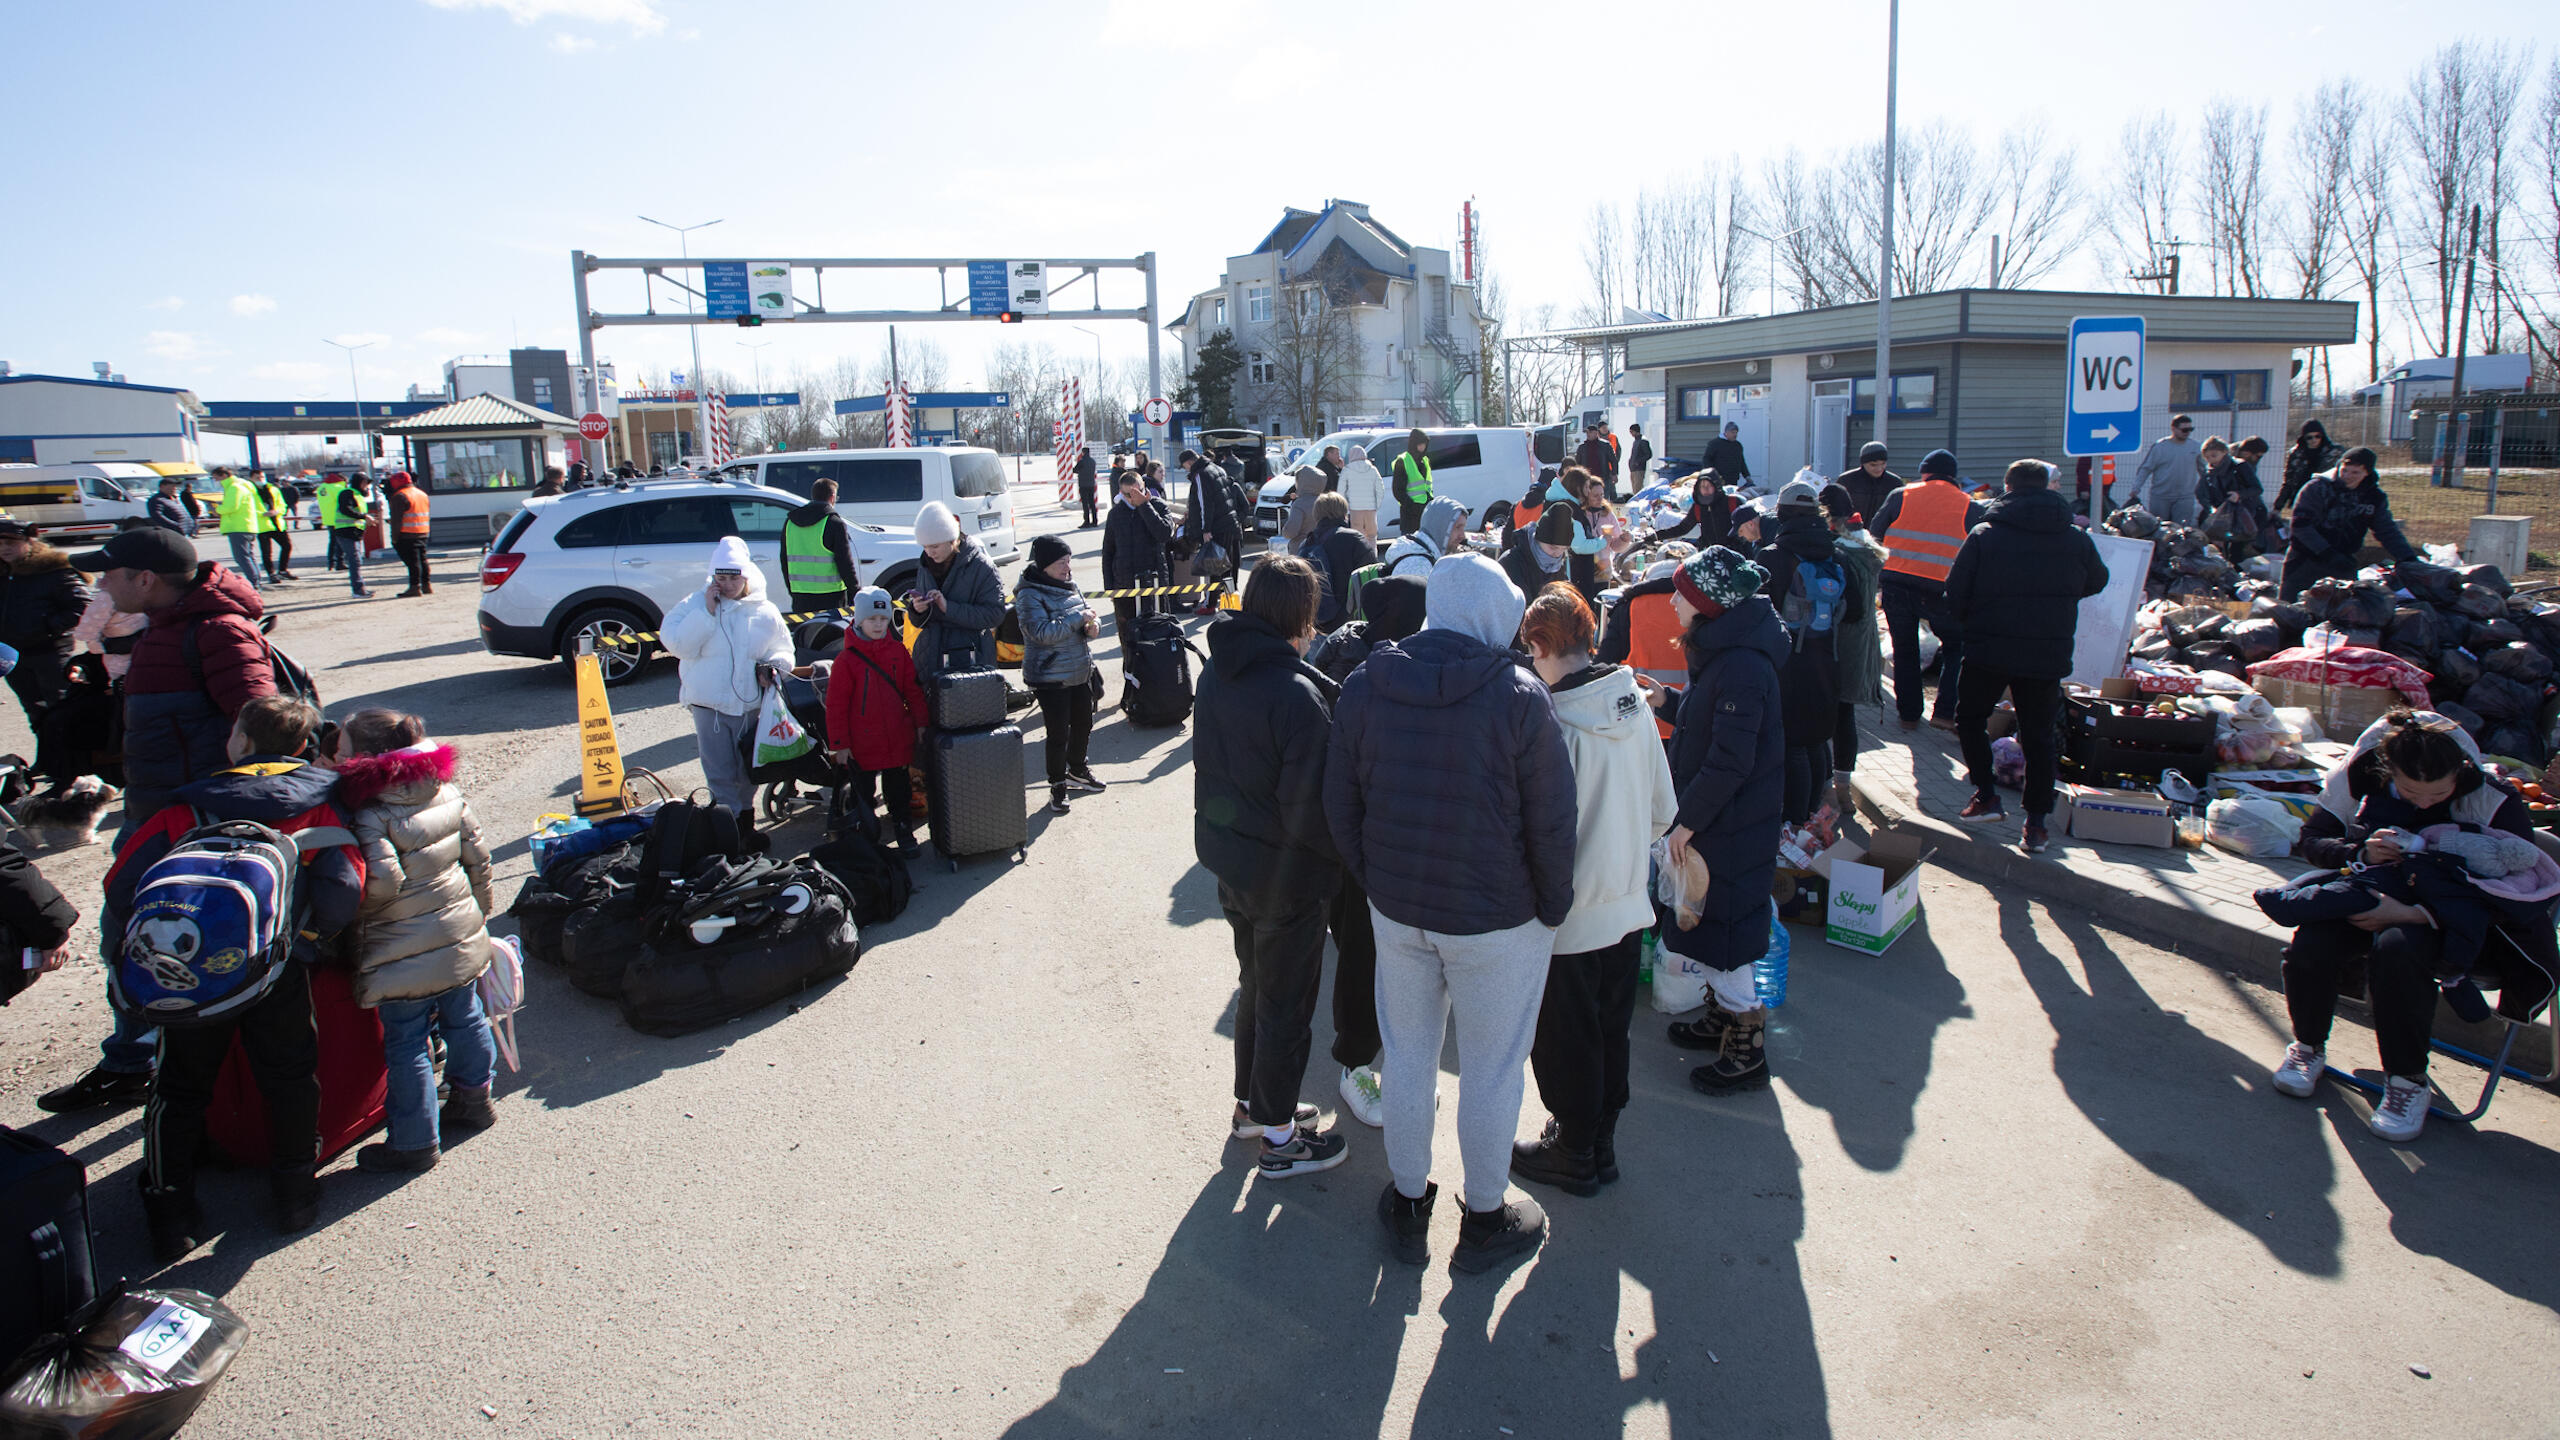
245 306
640 15
180 346
568 44
165 302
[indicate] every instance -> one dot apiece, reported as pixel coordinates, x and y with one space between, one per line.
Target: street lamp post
1884 264
364 440
701 404
1772 267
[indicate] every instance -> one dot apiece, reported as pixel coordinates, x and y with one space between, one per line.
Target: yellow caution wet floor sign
599 751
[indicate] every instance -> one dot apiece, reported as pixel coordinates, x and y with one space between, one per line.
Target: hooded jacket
1449 789
1359 484
874 710
1261 722
1810 678
41 598
1429 544
2301 466
1054 648
2017 585
1860 643
1338 552
1728 765
178 720
423 928
1623 799
1134 543
291 796
972 604
837 539
1396 609
717 652
1301 514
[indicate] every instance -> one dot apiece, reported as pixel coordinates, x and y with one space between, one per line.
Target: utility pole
701 401
1155 360
1884 268
364 441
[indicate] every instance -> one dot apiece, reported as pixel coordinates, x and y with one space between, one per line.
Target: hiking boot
409 593
1408 1222
467 1110
2034 837
296 1190
1982 809
176 1221
1604 1149
1306 1153
1364 1096
1742 1061
2403 1111
1082 782
1057 799
1486 1238
384 1160
2298 1074
1548 1161
1245 1129
101 1086
1707 1031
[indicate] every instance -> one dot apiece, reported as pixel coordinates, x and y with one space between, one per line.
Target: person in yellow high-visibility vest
239 510
326 497
409 532
817 554
275 538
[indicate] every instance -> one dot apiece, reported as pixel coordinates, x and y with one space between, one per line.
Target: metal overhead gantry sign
754 292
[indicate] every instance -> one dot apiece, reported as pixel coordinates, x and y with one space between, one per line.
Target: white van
1486 469
886 487
77 502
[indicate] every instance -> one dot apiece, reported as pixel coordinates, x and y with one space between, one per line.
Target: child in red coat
874 711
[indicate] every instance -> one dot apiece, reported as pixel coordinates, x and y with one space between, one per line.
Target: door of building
1830 440
1750 411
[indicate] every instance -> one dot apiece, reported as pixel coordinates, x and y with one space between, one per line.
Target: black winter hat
1556 525
1047 550
1939 462
1872 450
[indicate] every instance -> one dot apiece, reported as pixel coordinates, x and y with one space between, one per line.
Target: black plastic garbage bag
2513 740
2417 630
2256 640
2455 669
2462 715
2489 577
2501 631
2518 661
2293 620
2436 584
2501 700
2324 597
2195 622
132 1366
2480 602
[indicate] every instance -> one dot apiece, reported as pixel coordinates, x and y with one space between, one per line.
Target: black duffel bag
599 940
549 898
793 927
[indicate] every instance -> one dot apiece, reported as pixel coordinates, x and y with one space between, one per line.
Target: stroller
798 784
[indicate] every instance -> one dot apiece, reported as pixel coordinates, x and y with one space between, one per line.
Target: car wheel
621 664
898 581
1497 516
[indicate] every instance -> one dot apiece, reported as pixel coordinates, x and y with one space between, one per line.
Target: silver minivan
886 487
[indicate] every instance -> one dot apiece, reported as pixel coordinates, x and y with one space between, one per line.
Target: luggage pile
972 764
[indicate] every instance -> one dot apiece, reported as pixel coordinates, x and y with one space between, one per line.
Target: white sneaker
2299 1074
2403 1111
1363 1098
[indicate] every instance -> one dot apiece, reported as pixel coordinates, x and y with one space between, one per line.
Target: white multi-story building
1380 331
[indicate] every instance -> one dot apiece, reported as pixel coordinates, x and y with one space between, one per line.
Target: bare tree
1794 214
2455 159
1729 213
1313 348
2536 293
2142 216
2234 141
2038 207
2323 149
2372 240
1604 262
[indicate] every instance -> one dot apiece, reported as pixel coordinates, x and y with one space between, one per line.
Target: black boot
1408 1222
1486 1238
1707 1031
297 1195
1604 1148
1547 1160
1742 1061
176 1221
467 1110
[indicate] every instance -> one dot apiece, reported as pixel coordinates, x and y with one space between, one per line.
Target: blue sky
199 193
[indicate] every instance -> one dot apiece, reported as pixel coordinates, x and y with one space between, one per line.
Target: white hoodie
1623 799
717 654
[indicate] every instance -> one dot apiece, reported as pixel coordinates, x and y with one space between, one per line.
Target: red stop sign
593 426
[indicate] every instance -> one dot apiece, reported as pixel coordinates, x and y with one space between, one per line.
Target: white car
613 560
1486 469
885 487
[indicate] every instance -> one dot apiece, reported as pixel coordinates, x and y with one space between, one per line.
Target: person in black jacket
1710 512
1451 798
168 509
1085 486
41 598
1337 551
808 576
1728 764
1639 458
1209 515
1134 541
1869 482
2331 518
2016 589
1264 717
1809 681
2312 454
33 917
1724 456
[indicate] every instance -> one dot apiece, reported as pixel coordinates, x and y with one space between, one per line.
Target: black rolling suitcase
966 699
973 792
45 1269
1155 669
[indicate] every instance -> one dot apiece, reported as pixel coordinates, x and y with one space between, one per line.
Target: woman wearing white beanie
957 599
728 641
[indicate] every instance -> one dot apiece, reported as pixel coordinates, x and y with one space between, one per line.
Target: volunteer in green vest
346 511
1411 477
326 498
275 539
239 510
817 554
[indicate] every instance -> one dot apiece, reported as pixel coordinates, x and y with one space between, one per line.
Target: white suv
886 487
1486 469
614 560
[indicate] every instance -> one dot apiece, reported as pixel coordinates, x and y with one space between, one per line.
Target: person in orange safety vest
1921 526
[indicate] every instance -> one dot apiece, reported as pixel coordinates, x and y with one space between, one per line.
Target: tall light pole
1772 241
701 402
364 441
1097 363
1884 267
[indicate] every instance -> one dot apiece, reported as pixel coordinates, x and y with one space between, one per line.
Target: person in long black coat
1135 547
41 598
2313 454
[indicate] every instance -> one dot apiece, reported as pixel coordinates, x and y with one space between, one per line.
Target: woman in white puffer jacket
728 640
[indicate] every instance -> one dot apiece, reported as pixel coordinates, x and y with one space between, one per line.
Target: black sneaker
1306 1153
1057 799
176 1223
1083 782
1547 1161
1408 1223
2034 838
384 1160
101 1086
1486 1238
1741 1063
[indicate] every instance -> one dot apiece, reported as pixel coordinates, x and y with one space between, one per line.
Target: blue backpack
1812 605
212 924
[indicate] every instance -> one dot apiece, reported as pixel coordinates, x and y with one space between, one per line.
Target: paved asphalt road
2018 1177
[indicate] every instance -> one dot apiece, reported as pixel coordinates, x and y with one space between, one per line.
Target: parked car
1485 468
885 487
613 560
76 502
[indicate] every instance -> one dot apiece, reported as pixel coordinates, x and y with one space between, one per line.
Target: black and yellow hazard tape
650 637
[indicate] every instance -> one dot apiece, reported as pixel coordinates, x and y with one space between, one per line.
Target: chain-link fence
2527 477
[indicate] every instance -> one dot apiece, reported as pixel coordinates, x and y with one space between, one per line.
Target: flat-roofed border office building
1978 372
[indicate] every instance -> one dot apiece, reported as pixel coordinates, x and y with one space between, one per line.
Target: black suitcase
1155 670
973 792
45 1267
968 699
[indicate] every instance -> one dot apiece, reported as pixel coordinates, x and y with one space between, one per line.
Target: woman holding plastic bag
730 644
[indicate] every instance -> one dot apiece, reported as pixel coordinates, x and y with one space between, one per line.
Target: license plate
988 519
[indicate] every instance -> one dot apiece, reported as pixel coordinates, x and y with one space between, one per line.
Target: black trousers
1408 517
413 553
283 1042
1580 1053
1905 606
891 785
1844 739
1279 971
1066 726
38 682
1808 773
1355 978
2036 700
1089 496
275 551
2400 986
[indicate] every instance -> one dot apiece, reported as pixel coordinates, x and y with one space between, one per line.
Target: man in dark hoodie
2016 589
1451 798
1814 593
270 780
1262 721
1868 482
817 554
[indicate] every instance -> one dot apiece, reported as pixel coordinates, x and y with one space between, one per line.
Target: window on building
1310 299
1257 304
2218 389
1257 368
1914 393
1711 402
542 392
458 465
1220 310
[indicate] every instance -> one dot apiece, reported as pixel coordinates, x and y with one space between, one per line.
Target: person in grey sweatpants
1493 984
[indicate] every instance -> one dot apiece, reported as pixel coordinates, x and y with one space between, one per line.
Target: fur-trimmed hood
40 559
367 778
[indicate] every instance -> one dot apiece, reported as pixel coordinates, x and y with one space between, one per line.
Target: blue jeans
348 546
244 555
470 1058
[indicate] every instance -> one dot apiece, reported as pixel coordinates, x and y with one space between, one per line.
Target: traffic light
377 447
750 320
1008 317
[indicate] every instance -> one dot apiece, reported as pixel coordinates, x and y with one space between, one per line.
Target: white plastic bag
2251 825
778 733
1679 983
2299 725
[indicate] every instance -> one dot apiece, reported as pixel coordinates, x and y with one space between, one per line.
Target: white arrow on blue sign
2102 414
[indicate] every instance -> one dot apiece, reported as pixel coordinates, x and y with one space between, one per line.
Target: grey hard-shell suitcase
973 792
965 699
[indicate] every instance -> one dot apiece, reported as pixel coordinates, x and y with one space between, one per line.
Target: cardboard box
2344 711
1872 891
2117 817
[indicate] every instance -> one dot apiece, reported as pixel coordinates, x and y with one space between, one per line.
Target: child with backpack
875 710
422 937
1811 588
196 951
